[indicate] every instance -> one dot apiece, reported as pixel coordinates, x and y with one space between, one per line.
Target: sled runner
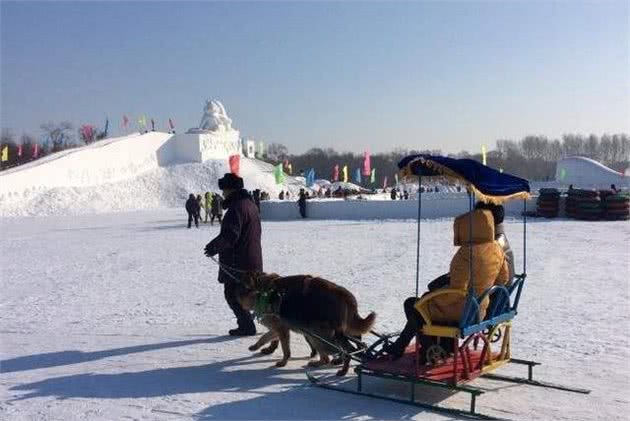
477 345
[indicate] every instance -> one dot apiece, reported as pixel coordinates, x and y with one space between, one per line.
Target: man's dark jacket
238 243
192 206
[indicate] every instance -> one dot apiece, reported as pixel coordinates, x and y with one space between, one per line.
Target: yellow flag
290 169
483 155
5 154
345 173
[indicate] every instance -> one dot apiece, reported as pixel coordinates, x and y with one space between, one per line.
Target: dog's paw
281 363
342 372
268 350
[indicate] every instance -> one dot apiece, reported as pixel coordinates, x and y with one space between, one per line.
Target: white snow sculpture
214 117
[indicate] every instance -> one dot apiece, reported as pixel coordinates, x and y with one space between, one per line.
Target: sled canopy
487 184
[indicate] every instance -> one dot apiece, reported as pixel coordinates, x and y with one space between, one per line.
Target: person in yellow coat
489 267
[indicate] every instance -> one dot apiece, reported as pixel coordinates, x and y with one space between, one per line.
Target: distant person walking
217 208
302 203
207 205
192 207
392 194
238 246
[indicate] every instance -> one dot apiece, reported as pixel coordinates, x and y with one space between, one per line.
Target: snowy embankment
122 174
116 316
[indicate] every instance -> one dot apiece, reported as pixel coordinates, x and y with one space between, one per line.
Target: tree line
532 157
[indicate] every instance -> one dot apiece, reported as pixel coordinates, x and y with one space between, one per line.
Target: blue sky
448 75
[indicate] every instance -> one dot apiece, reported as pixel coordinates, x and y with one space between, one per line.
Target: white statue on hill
214 117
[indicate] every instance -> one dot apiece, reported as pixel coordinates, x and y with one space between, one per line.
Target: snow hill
586 173
132 172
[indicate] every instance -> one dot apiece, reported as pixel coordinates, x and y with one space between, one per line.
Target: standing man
238 246
302 203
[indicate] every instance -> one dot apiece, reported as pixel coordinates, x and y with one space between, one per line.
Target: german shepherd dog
310 306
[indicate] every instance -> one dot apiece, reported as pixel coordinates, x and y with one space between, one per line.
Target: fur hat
231 181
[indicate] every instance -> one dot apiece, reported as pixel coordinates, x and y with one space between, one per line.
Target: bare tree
58 134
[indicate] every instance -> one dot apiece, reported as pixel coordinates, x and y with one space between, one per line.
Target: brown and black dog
310 306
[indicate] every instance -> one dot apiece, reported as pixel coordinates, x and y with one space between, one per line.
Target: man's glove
209 250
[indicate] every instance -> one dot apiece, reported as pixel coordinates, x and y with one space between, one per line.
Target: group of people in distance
211 203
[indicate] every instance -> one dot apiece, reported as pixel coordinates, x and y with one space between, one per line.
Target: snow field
119 316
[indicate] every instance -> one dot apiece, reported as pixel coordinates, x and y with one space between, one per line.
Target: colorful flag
336 173
5 153
290 168
366 164
310 177
396 178
142 122
35 150
373 176
125 122
235 164
345 173
357 175
19 151
483 155
278 174
385 183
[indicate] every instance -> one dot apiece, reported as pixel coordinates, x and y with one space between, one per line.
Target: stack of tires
584 204
616 207
548 203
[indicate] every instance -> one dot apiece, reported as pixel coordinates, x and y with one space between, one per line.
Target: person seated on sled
489 268
498 214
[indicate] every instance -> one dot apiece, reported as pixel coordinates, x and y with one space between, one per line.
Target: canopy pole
524 236
471 201
418 244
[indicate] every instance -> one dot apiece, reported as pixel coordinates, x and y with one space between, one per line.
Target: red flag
170 123
385 183
235 164
19 150
125 121
35 150
367 168
336 173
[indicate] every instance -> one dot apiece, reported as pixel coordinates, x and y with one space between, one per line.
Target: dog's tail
358 326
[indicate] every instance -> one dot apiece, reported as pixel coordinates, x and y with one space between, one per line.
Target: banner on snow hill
366 164
142 122
5 154
373 176
357 176
396 178
385 183
278 174
345 173
290 167
336 173
152 125
125 122
310 177
19 151
106 126
483 155
35 150
235 164
170 124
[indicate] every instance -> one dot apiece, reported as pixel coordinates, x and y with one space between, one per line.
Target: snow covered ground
119 316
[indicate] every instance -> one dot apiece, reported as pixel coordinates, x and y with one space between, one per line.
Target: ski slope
119 316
